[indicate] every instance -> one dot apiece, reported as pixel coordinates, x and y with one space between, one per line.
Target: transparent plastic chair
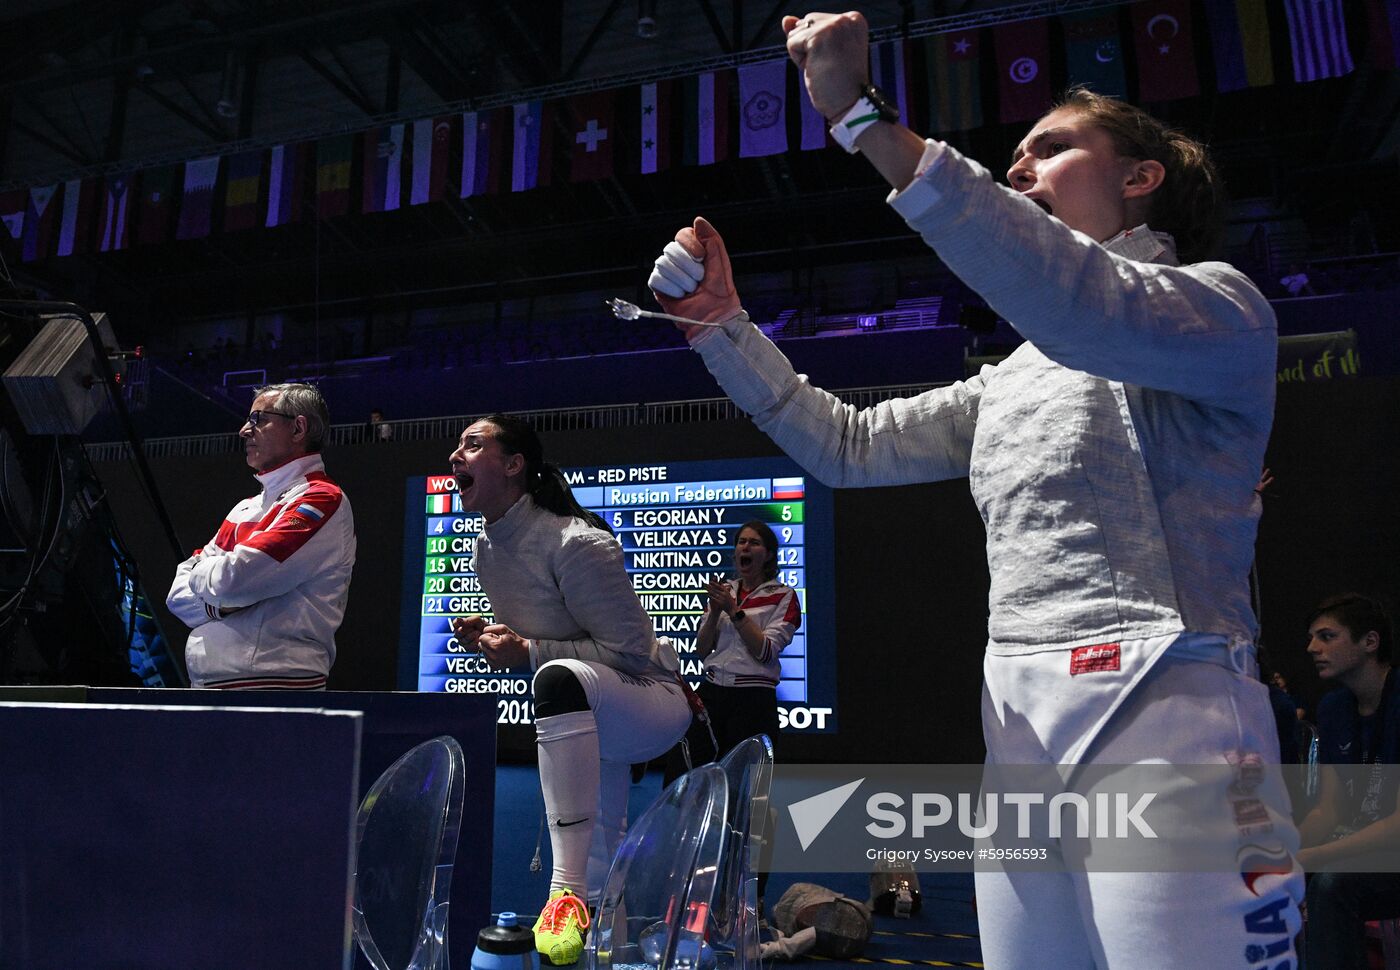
748 770
406 838
655 907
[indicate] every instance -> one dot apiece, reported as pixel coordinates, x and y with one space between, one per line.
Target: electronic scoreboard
677 523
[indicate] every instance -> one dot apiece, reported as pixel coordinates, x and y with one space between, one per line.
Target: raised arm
1203 331
902 441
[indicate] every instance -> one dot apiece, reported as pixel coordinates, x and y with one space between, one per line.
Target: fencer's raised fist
692 278
832 50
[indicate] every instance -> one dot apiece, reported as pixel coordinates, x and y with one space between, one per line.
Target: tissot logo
811 815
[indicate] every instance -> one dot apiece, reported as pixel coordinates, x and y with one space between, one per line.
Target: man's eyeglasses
255 418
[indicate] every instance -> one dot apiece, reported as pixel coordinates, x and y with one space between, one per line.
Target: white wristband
861 116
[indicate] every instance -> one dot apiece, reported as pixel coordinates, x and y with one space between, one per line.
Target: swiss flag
592 135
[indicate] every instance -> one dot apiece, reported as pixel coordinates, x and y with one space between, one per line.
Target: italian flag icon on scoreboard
677 524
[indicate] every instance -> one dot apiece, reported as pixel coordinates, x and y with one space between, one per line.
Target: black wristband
738 616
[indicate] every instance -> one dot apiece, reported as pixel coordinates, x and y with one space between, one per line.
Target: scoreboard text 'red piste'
677 524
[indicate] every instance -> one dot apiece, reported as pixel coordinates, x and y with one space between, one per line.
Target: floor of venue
942 934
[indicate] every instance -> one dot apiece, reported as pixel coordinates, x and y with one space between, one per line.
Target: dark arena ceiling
93 88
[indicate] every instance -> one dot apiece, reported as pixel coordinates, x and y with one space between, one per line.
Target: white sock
569 776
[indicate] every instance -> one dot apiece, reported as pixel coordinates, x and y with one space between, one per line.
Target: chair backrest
748 769
406 838
656 903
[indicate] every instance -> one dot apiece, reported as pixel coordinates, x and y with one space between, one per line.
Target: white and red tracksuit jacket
265 596
776 609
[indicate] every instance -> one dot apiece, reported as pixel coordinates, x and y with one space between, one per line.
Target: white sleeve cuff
919 196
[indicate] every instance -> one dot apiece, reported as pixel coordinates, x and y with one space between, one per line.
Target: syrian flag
655 141
39 218
198 201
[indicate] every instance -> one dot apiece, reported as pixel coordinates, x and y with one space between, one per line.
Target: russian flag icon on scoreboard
787 488
439 504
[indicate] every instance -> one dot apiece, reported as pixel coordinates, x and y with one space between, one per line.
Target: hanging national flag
1317 32
1166 54
530 146
707 118
954 81
1383 34
383 165
112 228
1093 52
12 205
593 133
1239 42
40 216
655 129
333 176
157 205
1023 69
431 137
484 135
286 169
763 109
241 191
197 203
887 73
75 227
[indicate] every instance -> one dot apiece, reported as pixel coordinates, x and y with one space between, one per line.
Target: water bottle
505 946
894 890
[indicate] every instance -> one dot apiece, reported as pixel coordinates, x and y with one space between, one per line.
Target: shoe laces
557 911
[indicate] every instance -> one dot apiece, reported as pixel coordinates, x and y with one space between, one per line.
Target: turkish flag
1166 54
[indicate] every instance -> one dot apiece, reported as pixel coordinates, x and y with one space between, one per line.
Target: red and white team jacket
265 596
778 613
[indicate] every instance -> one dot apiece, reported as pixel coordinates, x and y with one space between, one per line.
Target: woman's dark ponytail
544 482
551 491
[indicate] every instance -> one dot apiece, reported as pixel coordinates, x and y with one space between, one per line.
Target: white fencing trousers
638 718
1183 712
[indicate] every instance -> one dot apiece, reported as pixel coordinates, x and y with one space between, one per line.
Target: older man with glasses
264 597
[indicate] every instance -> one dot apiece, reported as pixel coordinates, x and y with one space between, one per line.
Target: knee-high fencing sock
569 776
